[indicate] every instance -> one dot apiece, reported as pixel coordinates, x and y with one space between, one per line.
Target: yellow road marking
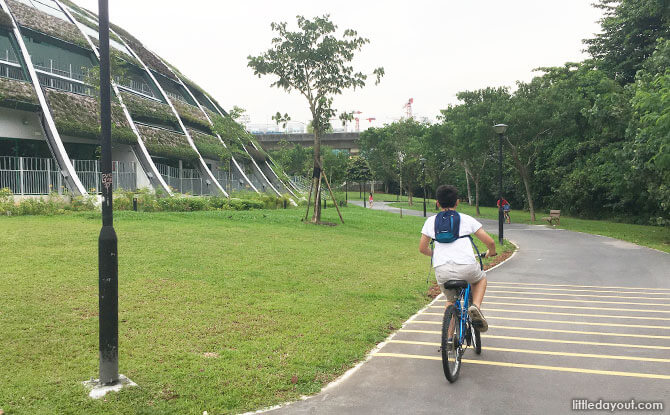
534 339
646 336
524 304
546 352
501 310
577 290
576 295
580 286
538 367
586 323
571 301
569 314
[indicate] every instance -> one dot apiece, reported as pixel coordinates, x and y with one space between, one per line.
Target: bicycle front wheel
451 348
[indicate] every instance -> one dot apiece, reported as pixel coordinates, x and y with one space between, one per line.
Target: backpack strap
481 264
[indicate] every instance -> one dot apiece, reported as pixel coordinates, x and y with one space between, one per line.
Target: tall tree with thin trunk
471 137
317 64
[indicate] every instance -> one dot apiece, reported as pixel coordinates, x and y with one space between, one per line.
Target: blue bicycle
458 332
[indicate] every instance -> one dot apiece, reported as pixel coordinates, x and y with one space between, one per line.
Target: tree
358 170
293 158
335 164
470 133
314 62
630 30
649 150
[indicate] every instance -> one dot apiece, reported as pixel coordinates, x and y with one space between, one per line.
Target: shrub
209 146
18 95
166 143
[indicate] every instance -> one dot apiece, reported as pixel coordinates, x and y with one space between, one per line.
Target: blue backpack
447 226
447 230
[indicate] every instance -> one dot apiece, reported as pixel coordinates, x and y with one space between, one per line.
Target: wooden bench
554 217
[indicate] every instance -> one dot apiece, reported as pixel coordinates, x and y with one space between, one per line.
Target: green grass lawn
657 237
219 311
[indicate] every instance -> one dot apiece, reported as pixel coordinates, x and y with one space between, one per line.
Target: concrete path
571 316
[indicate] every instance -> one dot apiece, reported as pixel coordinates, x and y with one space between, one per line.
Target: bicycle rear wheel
451 349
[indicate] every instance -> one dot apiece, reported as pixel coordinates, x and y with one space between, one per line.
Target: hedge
79 116
209 146
165 143
19 95
149 59
192 116
39 21
5 20
150 111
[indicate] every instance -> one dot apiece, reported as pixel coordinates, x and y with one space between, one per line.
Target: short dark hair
447 196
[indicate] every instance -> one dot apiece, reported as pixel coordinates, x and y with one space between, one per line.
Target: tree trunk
316 217
409 196
476 180
522 169
467 180
526 183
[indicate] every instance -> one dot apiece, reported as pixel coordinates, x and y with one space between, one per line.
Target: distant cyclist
456 260
506 209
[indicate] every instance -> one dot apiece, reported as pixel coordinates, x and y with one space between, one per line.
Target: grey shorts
466 272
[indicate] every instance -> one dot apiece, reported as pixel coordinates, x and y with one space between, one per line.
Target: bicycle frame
463 312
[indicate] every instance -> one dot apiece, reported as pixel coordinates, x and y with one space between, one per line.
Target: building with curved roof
167 132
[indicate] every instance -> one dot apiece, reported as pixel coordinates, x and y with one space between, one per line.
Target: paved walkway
571 316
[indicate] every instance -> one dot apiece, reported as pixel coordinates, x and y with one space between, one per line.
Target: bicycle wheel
451 350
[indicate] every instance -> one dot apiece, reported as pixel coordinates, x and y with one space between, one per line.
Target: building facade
167 133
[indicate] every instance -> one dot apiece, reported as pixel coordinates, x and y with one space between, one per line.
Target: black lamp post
108 266
500 130
423 172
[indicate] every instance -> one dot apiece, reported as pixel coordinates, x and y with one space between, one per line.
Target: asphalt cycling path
571 316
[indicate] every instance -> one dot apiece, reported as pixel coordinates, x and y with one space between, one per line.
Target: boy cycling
456 260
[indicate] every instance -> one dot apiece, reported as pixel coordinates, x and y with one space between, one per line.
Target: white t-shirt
457 252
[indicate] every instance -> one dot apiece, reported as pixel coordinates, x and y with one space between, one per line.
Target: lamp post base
98 390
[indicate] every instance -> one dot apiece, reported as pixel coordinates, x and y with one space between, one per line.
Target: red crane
358 120
370 119
408 108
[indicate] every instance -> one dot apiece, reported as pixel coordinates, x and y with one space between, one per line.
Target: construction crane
408 108
370 120
358 120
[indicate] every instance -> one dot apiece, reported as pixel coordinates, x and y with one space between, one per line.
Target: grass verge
223 311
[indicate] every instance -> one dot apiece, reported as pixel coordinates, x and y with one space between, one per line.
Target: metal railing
30 175
41 176
64 84
185 180
139 87
10 66
300 183
124 175
11 71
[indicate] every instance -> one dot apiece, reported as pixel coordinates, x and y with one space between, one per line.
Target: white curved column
237 166
52 136
222 142
205 171
212 124
144 157
243 147
266 163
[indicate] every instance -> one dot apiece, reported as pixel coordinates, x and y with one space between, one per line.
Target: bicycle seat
455 284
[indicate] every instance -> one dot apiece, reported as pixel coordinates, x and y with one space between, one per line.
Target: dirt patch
434 290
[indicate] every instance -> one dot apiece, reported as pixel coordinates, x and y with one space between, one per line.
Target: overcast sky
430 49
